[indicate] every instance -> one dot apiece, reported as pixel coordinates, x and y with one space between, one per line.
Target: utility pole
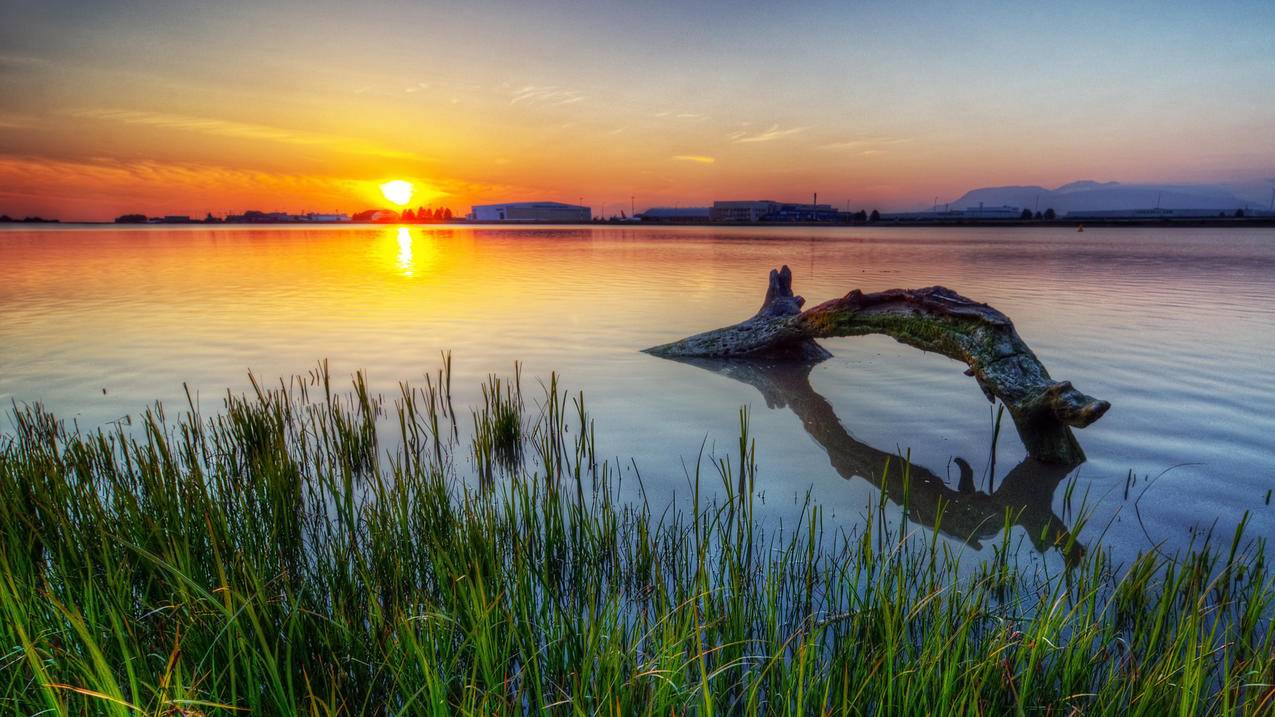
632 205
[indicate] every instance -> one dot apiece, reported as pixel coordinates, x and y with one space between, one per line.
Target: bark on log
932 319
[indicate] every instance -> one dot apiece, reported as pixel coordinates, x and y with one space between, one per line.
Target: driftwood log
932 319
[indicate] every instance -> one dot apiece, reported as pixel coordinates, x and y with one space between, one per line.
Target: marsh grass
276 559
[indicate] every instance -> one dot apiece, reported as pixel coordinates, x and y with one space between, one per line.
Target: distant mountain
1089 195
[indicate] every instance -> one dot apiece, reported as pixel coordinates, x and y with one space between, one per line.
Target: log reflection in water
1025 494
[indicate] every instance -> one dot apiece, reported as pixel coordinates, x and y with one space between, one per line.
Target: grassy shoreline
276 559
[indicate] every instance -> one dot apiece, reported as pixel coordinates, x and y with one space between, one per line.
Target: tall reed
276 558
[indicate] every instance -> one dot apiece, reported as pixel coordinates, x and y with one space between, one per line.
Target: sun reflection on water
417 254
406 261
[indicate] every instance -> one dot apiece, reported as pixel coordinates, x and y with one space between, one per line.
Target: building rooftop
533 205
656 212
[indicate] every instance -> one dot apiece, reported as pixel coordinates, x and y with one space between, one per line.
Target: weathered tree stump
932 319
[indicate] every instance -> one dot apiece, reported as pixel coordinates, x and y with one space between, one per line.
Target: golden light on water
398 191
405 263
415 253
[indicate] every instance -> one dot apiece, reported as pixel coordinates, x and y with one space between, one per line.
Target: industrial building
766 210
1145 214
788 213
982 213
953 215
969 214
747 211
542 212
253 216
676 215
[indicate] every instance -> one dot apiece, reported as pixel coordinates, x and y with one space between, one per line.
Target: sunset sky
187 107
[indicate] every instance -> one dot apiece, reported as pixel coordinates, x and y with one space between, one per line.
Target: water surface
1173 326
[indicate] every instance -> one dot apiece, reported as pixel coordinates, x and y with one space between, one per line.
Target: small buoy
1080 227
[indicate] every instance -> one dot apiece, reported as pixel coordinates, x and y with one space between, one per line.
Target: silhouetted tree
861 215
409 215
1050 215
1039 215
875 216
447 213
1027 214
1239 213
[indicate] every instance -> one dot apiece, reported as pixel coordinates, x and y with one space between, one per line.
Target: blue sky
884 103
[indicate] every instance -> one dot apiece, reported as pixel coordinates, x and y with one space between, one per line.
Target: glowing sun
398 192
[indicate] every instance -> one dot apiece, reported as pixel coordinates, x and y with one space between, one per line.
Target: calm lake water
1175 327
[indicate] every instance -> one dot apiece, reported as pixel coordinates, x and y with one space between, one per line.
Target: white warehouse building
530 212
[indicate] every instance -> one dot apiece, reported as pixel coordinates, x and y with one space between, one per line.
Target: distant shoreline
995 223
1220 223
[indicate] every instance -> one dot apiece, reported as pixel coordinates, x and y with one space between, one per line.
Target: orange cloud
771 134
699 158
241 130
104 188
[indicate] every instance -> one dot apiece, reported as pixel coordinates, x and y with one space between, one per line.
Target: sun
398 192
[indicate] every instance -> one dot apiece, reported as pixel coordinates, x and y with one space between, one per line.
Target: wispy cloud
21 61
866 145
91 186
17 121
675 114
771 134
240 130
545 95
102 187
697 158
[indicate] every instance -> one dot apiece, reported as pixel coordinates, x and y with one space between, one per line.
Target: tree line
425 214
1048 215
